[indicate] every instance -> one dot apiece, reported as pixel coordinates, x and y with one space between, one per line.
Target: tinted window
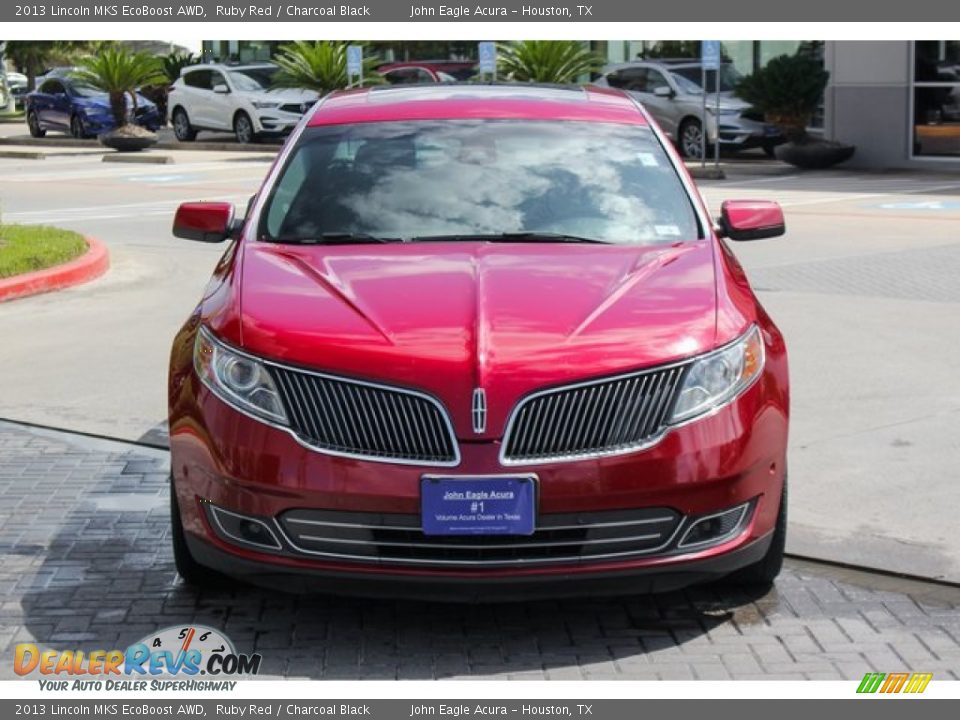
52 87
407 76
634 79
198 79
655 79
260 77
479 177
216 78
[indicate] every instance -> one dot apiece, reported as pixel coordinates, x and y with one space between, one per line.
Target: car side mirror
750 220
210 222
663 92
221 88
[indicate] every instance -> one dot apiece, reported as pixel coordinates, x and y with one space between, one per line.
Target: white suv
234 98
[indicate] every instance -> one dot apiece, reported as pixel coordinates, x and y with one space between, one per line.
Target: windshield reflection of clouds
603 181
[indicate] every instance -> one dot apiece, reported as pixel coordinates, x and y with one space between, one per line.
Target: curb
136 158
92 264
199 145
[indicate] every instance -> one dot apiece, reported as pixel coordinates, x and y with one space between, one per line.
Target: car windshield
459 179
252 79
689 79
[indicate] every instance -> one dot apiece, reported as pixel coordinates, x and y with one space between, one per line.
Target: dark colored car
478 340
459 70
83 111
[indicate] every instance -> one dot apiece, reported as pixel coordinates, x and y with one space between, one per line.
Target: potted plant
788 91
119 74
546 61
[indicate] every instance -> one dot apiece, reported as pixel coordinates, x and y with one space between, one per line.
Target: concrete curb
162 145
92 264
137 158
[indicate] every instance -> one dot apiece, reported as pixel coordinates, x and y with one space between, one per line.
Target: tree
546 61
32 57
787 90
174 62
320 66
119 73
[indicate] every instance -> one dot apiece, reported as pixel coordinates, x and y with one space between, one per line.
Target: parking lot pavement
85 564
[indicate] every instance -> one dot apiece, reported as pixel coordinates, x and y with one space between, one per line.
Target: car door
195 88
55 109
221 102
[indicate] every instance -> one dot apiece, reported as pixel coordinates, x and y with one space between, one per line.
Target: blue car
83 111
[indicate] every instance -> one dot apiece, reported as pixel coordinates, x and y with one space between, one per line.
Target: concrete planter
814 154
123 140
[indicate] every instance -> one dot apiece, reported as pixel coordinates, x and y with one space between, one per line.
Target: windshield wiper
336 238
523 236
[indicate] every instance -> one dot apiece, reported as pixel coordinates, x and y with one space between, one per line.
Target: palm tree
546 61
174 62
319 66
119 73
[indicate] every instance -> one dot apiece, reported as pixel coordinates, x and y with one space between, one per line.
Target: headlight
720 376
264 105
237 379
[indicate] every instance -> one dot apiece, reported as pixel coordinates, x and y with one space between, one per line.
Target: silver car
671 91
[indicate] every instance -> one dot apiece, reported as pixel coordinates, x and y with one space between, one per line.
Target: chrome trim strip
482 563
415 528
445 546
346 380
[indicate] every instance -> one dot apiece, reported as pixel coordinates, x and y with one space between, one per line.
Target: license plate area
501 505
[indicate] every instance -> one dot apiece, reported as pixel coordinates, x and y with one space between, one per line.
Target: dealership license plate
478 506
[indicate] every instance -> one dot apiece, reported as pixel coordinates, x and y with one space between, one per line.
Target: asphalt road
864 286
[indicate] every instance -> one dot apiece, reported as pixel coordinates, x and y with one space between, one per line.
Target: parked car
414 73
81 110
672 93
438 70
477 340
234 98
17 83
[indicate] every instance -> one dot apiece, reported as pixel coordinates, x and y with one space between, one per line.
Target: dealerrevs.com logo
900 682
180 651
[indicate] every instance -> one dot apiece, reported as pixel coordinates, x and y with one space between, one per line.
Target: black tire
182 129
689 138
243 129
192 572
77 128
33 122
763 572
769 149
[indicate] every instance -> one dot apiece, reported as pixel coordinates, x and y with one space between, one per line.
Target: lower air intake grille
560 538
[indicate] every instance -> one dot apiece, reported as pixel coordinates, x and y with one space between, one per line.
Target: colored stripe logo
894 682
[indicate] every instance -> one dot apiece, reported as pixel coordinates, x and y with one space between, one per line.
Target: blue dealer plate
478 506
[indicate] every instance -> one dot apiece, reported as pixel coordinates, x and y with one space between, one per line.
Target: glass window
52 87
936 98
405 180
199 79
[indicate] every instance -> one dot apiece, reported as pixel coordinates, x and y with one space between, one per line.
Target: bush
546 61
787 91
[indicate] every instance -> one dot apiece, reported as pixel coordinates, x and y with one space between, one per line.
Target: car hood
450 317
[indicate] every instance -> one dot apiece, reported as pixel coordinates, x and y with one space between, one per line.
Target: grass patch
25 248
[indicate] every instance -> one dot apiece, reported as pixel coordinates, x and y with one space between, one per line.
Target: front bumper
735 455
275 122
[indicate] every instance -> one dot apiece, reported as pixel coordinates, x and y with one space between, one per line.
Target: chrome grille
594 418
365 420
559 538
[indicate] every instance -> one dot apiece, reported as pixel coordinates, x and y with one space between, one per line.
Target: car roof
448 101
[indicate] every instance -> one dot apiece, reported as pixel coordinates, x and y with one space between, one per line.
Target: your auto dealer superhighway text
291 11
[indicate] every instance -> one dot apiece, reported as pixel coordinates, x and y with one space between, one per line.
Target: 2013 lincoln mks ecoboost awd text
477 341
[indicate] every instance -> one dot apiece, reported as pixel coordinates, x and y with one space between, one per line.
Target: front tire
763 572
192 572
33 122
77 128
182 129
243 129
690 139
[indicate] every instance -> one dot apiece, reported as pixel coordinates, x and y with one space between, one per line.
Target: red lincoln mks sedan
475 342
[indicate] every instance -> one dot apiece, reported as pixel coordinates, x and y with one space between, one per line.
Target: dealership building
897 101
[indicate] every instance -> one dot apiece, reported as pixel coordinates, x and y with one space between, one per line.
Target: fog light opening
244 529
714 529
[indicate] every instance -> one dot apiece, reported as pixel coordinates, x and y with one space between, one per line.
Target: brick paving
85 563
